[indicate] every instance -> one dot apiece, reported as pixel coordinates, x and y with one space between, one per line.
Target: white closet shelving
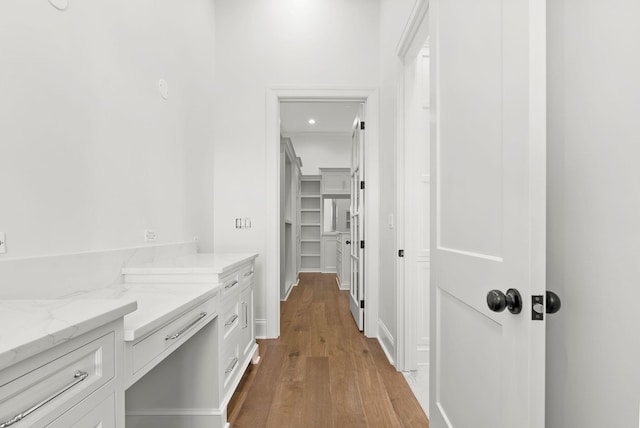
310 223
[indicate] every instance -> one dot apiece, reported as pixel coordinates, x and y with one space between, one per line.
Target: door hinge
361 304
362 244
362 185
400 253
362 124
537 308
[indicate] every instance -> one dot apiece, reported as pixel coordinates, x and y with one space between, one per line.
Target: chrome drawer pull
231 320
185 328
79 376
229 369
228 286
245 314
248 273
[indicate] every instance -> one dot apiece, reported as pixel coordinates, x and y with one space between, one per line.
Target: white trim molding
413 28
369 96
386 340
317 134
167 417
261 329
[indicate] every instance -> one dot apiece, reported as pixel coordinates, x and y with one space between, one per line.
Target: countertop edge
135 333
47 341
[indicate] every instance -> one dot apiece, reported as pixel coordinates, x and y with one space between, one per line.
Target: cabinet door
329 253
247 333
334 182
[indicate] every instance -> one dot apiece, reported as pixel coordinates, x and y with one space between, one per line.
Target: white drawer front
53 388
172 333
230 285
230 365
231 318
247 274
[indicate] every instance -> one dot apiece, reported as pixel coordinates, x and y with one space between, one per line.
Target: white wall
322 151
262 44
593 346
394 14
90 154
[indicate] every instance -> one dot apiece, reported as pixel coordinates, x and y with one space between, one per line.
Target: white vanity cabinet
233 278
76 383
238 337
144 351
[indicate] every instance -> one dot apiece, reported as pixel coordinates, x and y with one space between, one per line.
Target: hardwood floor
322 372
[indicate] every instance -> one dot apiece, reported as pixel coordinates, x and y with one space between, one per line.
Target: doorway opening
413 205
274 290
321 151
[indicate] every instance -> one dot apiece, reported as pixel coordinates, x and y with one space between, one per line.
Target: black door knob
553 303
498 301
347 242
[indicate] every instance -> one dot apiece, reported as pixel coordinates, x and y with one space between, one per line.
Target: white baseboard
342 286
171 418
166 411
293 284
387 342
261 328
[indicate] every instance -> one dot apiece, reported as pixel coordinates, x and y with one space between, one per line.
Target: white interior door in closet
357 290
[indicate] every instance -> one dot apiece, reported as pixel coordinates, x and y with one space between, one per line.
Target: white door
488 212
414 212
357 224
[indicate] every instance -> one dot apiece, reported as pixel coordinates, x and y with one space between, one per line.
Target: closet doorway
314 248
413 203
321 197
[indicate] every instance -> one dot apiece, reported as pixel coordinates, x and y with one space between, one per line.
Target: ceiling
330 117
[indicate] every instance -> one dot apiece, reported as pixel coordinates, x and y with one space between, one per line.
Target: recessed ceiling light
312 121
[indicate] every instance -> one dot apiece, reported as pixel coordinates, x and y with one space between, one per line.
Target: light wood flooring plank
257 404
316 396
322 372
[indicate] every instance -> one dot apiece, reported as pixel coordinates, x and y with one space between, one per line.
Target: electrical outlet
149 235
3 243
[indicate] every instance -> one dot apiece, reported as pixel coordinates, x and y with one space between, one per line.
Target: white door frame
412 39
370 96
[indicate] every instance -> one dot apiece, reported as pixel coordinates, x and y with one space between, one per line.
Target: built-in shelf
310 223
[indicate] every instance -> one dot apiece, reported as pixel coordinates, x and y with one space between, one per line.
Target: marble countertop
201 263
33 326
157 303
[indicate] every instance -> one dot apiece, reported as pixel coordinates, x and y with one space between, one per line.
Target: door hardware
550 305
499 301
